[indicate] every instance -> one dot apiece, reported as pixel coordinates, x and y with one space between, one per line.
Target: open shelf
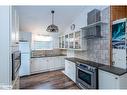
94 24
92 37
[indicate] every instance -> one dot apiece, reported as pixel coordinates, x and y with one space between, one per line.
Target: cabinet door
66 41
51 63
62 60
77 40
35 66
43 64
56 63
39 65
13 35
71 40
63 40
108 80
15 27
67 67
70 70
60 42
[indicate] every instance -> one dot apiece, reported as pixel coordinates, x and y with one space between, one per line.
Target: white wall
81 19
4 49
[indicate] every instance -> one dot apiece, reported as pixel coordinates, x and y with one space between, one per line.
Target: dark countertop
48 56
111 69
91 63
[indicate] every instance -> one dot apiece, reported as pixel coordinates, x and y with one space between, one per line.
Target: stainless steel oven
86 76
16 63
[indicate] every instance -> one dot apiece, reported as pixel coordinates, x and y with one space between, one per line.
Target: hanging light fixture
52 27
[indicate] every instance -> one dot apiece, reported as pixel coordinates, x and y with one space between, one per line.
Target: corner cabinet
111 81
75 41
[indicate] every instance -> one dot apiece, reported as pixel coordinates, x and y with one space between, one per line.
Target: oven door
16 63
85 78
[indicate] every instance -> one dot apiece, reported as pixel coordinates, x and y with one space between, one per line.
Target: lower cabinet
70 70
111 81
38 65
46 64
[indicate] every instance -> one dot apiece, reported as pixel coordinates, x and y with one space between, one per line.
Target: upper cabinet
14 18
71 40
66 41
63 44
60 42
74 41
80 41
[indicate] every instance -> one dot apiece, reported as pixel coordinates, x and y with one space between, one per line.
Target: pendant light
52 27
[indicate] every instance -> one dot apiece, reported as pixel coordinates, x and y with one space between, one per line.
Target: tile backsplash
41 53
98 48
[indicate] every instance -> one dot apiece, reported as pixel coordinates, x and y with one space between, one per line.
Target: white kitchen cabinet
38 65
15 27
111 81
80 41
51 63
70 70
74 41
60 42
62 61
46 64
34 66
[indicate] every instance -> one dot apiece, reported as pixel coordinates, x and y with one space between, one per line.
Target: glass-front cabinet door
71 40
77 40
60 42
66 41
63 42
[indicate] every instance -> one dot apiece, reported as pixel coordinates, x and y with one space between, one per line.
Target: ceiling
35 19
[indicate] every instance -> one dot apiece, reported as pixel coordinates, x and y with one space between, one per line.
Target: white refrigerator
24 47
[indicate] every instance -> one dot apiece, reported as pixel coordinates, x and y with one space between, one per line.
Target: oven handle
90 72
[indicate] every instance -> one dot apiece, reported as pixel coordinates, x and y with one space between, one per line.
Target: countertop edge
104 67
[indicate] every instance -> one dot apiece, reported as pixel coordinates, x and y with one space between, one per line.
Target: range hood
94 23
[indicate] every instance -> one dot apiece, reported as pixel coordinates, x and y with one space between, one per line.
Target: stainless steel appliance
86 76
16 63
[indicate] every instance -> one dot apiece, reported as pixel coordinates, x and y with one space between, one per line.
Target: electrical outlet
113 62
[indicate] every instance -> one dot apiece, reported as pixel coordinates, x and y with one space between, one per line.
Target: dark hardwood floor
47 80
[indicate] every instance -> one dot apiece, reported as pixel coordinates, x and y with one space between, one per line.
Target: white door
25 65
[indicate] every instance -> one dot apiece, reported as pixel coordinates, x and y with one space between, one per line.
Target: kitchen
82 52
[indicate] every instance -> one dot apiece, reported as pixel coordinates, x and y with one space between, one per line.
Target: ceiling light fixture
52 27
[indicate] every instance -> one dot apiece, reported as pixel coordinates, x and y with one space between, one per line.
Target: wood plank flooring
47 80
